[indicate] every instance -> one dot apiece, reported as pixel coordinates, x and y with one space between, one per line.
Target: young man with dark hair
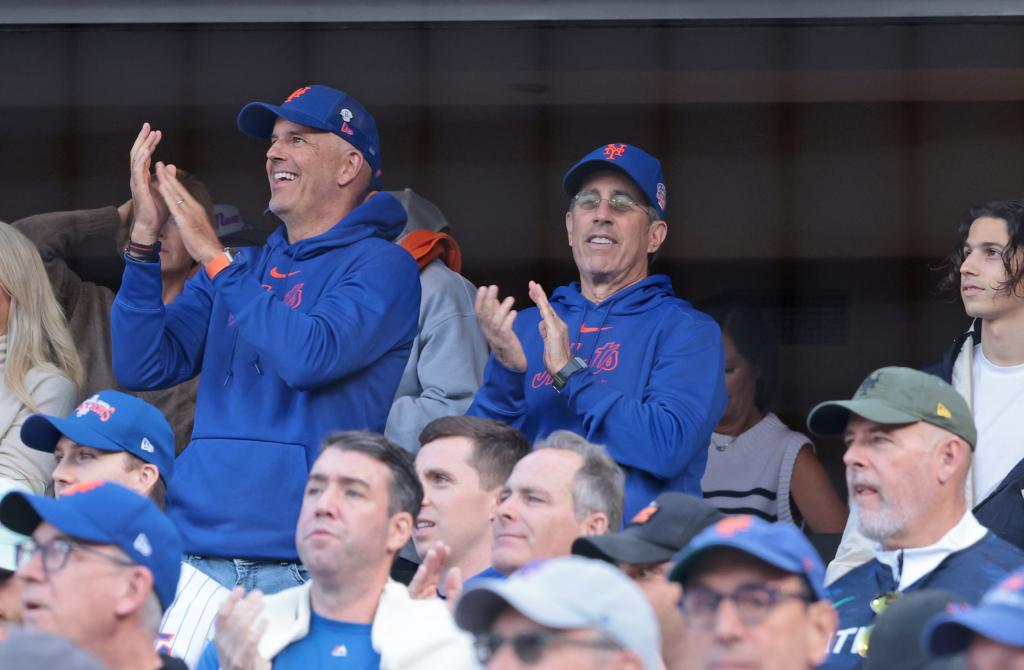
358 510
986 365
463 463
116 437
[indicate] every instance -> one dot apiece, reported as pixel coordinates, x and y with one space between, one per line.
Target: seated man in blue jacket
306 334
909 443
615 357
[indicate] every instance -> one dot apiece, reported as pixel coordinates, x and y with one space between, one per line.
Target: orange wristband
214 267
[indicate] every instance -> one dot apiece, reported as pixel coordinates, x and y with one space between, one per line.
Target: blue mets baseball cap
109 421
999 616
105 513
323 108
780 545
643 168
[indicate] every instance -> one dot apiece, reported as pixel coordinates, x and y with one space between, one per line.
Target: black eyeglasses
529 647
55 554
620 203
753 602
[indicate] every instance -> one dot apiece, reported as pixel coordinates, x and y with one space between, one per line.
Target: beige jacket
53 394
408 634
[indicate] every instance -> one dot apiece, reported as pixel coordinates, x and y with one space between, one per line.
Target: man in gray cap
644 551
909 439
567 612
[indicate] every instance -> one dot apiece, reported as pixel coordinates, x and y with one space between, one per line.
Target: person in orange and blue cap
615 357
754 597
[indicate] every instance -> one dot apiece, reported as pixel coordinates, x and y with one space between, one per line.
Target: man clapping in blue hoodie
307 334
615 357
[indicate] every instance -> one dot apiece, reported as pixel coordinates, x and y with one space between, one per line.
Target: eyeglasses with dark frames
55 554
530 647
753 603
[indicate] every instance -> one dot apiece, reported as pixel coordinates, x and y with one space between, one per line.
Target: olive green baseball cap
894 396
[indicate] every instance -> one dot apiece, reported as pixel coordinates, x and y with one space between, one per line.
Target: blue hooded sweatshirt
652 394
293 341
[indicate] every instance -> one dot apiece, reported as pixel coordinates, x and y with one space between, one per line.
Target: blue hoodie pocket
239 498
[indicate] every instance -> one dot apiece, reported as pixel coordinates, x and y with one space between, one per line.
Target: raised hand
428 576
149 215
197 232
496 319
238 633
553 331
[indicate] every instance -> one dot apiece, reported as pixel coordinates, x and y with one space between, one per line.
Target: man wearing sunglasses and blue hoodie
292 340
615 357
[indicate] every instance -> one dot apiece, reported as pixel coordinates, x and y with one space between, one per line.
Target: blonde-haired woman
39 367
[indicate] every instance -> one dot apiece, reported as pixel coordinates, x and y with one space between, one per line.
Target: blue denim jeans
267 576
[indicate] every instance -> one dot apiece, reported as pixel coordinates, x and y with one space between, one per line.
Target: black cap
655 534
895 640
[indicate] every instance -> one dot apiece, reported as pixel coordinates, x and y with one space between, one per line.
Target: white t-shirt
188 623
999 416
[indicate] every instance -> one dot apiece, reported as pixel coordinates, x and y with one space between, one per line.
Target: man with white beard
909 440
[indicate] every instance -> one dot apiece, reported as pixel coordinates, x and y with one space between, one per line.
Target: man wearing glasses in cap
909 439
753 597
304 335
644 551
101 566
615 357
567 612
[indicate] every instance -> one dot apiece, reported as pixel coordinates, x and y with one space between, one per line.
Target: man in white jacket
358 510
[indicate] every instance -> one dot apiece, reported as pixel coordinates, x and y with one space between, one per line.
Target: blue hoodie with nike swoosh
652 394
292 341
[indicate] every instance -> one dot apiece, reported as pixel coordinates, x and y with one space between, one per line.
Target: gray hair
599 483
151 614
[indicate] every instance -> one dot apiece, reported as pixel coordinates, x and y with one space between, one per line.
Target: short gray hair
599 483
151 614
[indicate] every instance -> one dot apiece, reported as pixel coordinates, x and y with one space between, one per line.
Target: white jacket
408 634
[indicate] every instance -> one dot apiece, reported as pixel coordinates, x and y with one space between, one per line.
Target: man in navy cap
101 566
615 357
304 335
119 438
754 597
991 633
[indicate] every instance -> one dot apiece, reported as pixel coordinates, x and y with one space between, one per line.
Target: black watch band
561 378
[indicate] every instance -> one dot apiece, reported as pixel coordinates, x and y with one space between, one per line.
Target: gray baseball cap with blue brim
566 593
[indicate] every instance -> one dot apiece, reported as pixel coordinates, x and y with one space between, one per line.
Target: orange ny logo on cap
733 524
644 515
613 151
297 93
82 487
